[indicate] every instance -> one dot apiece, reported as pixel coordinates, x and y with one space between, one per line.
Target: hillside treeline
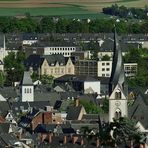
125 12
62 25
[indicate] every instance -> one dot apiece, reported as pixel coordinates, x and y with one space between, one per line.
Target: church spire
117 74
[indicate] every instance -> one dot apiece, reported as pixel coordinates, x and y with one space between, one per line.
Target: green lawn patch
71 12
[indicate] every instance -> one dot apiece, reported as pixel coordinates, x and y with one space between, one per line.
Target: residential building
29 39
81 55
105 67
86 67
57 65
130 69
80 83
64 49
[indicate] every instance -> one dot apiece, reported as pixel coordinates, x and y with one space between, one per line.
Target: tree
14 67
105 58
123 130
46 79
90 107
2 79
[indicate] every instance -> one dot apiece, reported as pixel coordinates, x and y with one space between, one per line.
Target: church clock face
117 103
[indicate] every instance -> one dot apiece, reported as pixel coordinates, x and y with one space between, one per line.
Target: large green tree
14 67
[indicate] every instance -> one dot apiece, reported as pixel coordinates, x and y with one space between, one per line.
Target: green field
66 8
76 12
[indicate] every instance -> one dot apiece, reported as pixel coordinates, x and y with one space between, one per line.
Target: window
117 95
118 114
103 75
107 69
30 90
27 90
107 63
69 70
103 64
103 69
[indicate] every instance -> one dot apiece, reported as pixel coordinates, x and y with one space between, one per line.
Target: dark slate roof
33 61
4 127
8 139
46 97
117 74
27 79
29 36
45 128
4 107
19 106
108 46
104 80
139 109
75 78
73 112
13 46
53 59
8 92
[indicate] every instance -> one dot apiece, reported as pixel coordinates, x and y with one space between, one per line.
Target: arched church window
118 114
27 90
118 95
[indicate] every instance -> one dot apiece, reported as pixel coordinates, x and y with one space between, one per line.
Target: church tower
27 89
117 85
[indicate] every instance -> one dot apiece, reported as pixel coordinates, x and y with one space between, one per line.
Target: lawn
76 12
66 8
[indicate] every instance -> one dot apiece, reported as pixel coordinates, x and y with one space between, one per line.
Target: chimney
97 142
50 137
65 139
74 139
77 102
82 140
131 144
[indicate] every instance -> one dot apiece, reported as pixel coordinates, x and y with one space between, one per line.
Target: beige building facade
57 69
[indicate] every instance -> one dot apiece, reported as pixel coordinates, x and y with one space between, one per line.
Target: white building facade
105 67
65 51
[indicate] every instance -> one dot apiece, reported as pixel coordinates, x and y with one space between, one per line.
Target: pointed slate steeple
117 74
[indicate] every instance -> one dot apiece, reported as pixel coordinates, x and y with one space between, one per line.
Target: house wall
29 42
57 70
27 93
94 85
47 117
104 68
56 118
36 120
86 67
65 51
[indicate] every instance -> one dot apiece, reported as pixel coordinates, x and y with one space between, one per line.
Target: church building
118 90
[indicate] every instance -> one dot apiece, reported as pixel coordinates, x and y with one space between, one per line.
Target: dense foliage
139 56
61 25
125 12
14 67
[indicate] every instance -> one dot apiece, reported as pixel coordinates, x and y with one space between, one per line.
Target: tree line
63 25
125 12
